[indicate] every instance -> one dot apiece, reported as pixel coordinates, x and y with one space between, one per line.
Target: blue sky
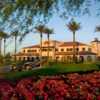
85 34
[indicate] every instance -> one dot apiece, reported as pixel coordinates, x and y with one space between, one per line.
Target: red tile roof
34 46
55 41
71 44
77 53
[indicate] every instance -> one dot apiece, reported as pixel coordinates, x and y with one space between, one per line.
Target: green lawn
53 69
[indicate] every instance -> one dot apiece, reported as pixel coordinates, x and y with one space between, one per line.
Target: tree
5 37
15 35
73 27
1 37
48 32
40 29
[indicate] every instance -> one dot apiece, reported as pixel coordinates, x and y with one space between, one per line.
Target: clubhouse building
62 51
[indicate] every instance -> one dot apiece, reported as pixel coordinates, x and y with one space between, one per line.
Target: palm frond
97 29
40 28
48 31
73 26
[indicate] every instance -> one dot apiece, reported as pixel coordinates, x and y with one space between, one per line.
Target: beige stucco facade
95 45
62 51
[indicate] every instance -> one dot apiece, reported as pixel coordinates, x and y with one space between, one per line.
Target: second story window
62 49
24 51
77 49
70 49
34 50
83 49
67 49
56 49
28 50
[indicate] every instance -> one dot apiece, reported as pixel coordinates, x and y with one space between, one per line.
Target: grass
53 69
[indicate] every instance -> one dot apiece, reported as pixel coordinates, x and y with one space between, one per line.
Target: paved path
2 70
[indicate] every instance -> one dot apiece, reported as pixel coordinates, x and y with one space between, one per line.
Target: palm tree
48 32
97 30
40 29
1 37
5 37
15 35
73 27
0 42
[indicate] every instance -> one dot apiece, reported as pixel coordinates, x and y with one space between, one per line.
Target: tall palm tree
15 35
0 41
73 27
97 30
48 32
1 37
40 29
5 37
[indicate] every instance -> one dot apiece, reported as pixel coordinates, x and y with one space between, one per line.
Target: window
24 58
44 50
70 49
57 57
81 59
62 49
50 49
33 50
67 49
56 49
28 50
89 49
32 59
77 49
24 51
83 49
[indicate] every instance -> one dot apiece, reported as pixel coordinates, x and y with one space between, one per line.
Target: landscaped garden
72 86
58 81
53 69
71 76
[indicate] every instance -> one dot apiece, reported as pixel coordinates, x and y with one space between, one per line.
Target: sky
61 32
86 34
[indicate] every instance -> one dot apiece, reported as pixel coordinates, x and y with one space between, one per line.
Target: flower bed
59 87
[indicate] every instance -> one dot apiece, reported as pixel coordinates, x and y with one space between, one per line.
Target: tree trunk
74 51
4 47
0 45
15 47
40 49
48 36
